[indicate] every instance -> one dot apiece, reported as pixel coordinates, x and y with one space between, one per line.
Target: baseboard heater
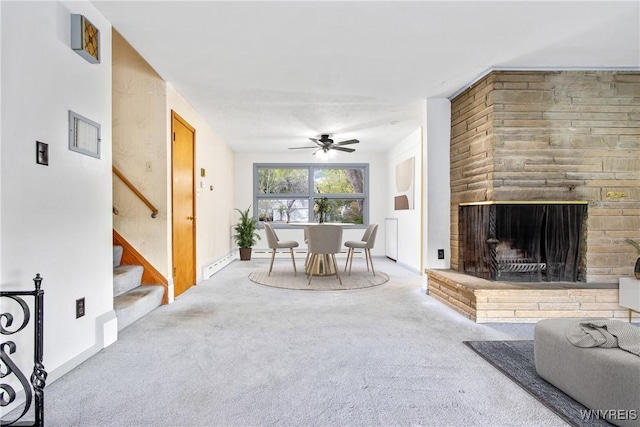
217 265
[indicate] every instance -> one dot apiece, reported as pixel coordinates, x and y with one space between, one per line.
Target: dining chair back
366 244
324 241
368 231
275 243
371 238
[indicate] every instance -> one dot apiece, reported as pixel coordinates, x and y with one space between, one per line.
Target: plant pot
245 254
636 270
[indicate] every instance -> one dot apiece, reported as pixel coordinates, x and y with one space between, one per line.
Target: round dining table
323 264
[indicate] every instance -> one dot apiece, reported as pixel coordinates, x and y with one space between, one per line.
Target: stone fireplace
548 136
561 151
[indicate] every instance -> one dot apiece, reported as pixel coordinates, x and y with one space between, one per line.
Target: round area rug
286 280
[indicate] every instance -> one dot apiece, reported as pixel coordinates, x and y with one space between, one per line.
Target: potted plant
636 245
246 234
322 207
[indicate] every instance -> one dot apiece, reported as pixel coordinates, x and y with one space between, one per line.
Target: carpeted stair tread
117 255
137 303
131 300
126 277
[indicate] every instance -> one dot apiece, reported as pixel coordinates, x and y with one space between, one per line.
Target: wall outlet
79 307
440 253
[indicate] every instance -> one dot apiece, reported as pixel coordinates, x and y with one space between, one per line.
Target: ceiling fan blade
298 148
317 141
350 141
348 150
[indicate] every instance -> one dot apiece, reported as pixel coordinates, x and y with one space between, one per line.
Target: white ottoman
606 379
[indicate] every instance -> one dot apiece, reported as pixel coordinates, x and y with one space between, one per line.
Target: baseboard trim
54 375
68 366
105 336
261 253
408 267
171 292
105 324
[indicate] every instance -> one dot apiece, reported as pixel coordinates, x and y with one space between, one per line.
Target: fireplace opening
523 242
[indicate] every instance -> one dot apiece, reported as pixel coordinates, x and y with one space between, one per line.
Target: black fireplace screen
522 242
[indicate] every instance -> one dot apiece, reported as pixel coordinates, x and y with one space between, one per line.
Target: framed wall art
404 198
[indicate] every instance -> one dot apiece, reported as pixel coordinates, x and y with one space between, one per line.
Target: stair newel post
39 375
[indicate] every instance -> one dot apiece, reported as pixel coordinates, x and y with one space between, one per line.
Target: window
286 193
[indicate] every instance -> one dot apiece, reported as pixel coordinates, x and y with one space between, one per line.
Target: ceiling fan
325 143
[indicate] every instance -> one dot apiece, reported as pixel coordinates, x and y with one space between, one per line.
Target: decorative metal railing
34 391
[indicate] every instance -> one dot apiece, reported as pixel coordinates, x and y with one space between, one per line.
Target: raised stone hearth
485 301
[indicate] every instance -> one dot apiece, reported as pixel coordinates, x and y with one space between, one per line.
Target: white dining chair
366 243
306 242
275 244
324 242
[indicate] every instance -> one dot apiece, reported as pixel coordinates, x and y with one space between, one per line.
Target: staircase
132 300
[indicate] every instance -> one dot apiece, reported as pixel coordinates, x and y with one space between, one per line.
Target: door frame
176 116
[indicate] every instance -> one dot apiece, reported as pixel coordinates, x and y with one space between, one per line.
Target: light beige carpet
286 279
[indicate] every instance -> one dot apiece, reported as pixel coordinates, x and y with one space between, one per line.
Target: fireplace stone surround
547 136
554 136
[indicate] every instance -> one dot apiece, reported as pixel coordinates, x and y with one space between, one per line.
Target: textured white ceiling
268 75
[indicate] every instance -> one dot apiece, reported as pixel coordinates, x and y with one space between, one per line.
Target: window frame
311 195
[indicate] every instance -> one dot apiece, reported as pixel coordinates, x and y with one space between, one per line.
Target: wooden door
183 204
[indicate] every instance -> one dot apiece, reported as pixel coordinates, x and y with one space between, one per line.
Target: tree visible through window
287 193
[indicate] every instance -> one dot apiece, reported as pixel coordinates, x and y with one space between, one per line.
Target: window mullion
311 190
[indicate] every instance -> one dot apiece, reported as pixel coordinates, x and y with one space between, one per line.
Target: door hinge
174 272
174 136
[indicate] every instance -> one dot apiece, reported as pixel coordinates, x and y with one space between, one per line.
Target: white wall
377 189
142 106
56 219
1 115
213 206
139 139
436 221
409 221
